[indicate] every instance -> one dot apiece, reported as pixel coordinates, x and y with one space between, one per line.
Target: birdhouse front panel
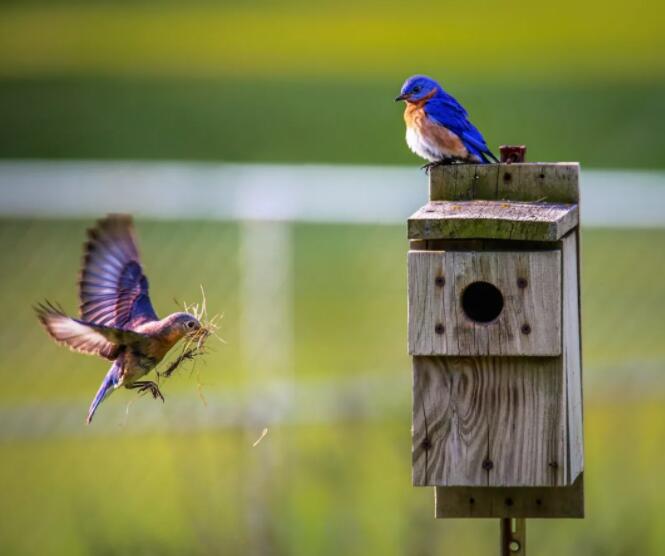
485 303
489 421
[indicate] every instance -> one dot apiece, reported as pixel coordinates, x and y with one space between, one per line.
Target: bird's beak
402 97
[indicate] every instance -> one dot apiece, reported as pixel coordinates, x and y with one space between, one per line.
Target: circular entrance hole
482 302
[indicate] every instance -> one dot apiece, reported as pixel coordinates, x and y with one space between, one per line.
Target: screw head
440 281
522 283
514 546
488 465
526 329
439 328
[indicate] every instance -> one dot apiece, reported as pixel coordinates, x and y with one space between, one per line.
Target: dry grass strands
194 344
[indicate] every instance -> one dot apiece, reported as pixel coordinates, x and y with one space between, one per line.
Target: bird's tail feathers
489 157
106 388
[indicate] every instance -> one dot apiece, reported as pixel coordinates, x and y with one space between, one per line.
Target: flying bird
116 318
437 126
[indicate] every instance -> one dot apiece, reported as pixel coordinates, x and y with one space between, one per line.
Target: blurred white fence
310 193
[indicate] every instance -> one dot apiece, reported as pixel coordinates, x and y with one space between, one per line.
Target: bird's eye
416 89
191 324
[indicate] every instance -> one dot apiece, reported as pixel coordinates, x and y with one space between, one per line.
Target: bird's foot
147 386
447 161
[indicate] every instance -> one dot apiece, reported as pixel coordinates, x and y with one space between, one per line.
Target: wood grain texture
572 354
529 324
545 502
488 422
551 182
493 220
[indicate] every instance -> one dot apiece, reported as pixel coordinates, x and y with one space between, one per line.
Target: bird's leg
445 161
143 385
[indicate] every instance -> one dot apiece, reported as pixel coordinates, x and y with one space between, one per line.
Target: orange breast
160 347
444 140
447 141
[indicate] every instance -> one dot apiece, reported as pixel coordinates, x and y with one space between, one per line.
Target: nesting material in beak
195 342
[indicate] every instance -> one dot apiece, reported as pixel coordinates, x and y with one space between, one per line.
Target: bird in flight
116 318
437 126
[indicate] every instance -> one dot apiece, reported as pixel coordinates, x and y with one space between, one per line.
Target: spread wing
113 289
83 337
446 111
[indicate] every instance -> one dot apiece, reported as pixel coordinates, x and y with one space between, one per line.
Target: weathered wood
488 421
572 355
555 183
530 283
507 502
493 220
481 245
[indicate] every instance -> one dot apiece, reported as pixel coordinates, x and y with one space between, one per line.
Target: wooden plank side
572 355
487 422
493 220
529 324
463 181
553 182
426 302
527 424
450 425
484 502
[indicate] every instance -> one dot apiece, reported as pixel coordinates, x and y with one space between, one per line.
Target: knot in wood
526 329
488 465
522 283
440 281
439 328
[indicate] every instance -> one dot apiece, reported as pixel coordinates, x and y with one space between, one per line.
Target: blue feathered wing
447 112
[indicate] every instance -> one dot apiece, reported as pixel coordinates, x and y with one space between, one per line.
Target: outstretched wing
113 289
446 111
75 334
86 337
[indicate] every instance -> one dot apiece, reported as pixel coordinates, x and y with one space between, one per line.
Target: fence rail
309 193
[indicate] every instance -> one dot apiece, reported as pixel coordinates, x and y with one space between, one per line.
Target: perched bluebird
116 321
437 127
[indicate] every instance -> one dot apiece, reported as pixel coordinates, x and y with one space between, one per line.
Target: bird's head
184 324
418 88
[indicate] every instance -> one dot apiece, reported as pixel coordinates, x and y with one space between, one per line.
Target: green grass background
314 82
298 81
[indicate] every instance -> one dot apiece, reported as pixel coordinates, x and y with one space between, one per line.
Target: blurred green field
489 39
333 487
302 82
315 120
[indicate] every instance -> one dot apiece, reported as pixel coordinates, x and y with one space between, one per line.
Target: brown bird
116 318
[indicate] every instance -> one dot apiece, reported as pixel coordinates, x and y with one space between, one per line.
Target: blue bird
437 127
117 320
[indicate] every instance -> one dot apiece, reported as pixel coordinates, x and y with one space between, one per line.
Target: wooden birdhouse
494 332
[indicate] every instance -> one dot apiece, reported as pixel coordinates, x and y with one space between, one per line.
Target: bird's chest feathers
428 139
159 347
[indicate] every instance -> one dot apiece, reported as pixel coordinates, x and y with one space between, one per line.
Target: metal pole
513 537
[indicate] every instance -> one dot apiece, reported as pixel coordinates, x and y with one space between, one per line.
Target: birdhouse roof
482 219
524 201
